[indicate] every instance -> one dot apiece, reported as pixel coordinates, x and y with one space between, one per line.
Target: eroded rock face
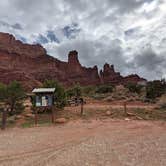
73 58
31 65
9 44
108 75
133 78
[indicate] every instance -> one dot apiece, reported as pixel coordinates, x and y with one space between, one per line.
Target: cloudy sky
131 34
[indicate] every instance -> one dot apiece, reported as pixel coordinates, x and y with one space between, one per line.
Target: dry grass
94 110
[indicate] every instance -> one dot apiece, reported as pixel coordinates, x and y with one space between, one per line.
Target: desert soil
86 143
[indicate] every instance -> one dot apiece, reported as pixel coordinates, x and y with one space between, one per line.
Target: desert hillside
30 65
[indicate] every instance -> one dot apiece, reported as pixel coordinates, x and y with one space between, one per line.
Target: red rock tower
73 58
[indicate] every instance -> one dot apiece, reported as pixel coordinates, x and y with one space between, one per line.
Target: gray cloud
93 52
149 64
112 31
41 39
14 26
52 37
71 31
17 26
149 60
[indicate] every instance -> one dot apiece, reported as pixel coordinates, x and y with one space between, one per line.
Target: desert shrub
75 91
70 93
88 90
163 105
155 89
2 91
162 102
134 88
104 89
12 95
59 95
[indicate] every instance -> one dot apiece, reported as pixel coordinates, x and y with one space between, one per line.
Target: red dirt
91 143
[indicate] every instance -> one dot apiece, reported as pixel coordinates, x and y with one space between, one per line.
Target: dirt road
86 143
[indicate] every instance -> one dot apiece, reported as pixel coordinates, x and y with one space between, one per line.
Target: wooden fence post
36 116
52 109
82 106
125 108
4 118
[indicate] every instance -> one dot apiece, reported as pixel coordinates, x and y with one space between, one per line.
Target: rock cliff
31 65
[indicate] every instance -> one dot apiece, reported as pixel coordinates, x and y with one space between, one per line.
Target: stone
108 113
29 115
60 120
127 119
18 117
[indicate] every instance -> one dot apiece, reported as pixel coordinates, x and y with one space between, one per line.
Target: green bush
75 91
59 95
12 95
134 88
2 92
70 93
163 105
155 89
88 90
104 89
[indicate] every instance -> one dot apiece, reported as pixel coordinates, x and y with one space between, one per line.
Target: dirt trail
86 143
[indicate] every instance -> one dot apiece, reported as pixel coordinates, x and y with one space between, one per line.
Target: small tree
70 93
104 89
75 91
134 88
59 95
88 90
12 95
2 92
155 89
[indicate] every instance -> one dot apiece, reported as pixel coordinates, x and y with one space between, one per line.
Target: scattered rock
11 119
18 117
127 119
29 115
108 113
60 120
109 99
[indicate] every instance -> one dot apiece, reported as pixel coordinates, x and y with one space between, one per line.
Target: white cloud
114 31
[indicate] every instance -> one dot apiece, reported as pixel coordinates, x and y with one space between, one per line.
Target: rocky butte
31 65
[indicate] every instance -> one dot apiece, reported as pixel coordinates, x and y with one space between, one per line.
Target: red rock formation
31 65
133 78
108 75
9 44
79 74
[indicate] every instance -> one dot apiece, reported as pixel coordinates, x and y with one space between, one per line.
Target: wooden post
125 108
52 117
82 106
4 118
36 116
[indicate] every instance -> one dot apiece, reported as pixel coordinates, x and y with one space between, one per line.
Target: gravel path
86 143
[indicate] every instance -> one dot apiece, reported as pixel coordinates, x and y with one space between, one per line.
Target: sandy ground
86 143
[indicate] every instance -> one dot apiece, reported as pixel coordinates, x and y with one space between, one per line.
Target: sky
130 34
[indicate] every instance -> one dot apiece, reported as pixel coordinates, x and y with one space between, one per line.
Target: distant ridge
30 65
